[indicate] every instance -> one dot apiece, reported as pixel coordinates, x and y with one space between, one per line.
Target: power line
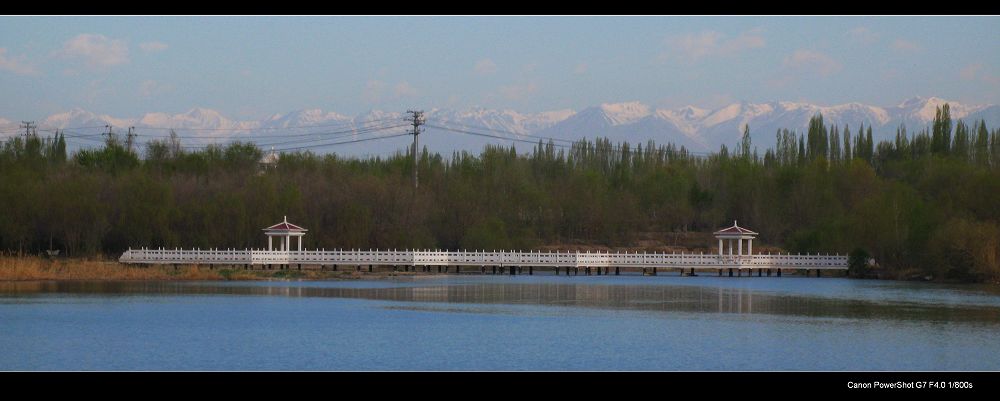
500 131
252 129
344 142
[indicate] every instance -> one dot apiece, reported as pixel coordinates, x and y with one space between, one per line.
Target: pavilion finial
286 219
734 224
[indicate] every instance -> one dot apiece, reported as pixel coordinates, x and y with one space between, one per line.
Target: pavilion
287 230
737 234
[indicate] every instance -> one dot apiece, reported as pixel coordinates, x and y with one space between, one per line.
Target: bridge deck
503 258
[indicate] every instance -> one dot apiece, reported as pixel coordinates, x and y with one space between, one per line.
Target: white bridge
499 259
513 260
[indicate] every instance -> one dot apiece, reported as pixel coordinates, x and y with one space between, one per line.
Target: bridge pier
817 272
531 270
370 268
576 271
494 270
616 270
654 271
760 272
300 266
769 272
692 271
779 272
730 272
720 272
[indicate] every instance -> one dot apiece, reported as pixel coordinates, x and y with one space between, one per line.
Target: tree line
924 203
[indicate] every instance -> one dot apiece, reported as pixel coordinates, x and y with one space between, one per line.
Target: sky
253 67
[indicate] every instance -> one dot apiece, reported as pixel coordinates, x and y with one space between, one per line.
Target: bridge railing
476 258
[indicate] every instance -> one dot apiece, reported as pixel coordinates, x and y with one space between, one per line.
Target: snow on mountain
694 128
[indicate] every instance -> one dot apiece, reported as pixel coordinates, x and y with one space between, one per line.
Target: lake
488 323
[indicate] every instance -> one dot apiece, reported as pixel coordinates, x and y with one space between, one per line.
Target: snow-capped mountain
694 128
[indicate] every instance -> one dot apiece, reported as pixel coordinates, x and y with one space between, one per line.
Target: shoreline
35 268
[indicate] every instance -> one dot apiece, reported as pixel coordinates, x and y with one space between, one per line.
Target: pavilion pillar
720 246
739 247
270 243
750 246
300 243
730 247
288 243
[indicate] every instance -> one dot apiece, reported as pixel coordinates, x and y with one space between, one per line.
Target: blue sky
251 67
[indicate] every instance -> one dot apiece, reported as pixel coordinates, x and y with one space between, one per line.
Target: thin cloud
903 45
152 47
373 91
17 65
862 35
518 92
581 68
970 71
485 67
150 88
95 50
978 72
812 61
696 46
404 89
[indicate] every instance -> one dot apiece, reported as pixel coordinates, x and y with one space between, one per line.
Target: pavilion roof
285 226
735 230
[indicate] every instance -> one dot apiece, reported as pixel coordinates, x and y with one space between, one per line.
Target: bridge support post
334 267
779 272
531 270
654 271
513 271
458 269
370 269
576 271
730 272
616 270
817 272
720 272
769 272
300 266
692 271
643 271
494 270
760 273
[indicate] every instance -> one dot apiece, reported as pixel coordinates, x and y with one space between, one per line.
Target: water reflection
626 297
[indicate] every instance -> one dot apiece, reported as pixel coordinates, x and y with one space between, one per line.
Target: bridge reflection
659 298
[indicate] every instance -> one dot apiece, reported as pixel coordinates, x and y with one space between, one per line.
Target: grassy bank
35 268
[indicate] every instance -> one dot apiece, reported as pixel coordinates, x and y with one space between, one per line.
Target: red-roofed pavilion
738 234
287 230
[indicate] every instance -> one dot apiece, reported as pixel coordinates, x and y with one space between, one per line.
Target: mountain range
697 129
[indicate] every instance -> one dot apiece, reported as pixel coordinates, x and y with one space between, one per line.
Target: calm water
501 323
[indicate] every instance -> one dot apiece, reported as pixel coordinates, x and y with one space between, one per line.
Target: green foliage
857 263
912 203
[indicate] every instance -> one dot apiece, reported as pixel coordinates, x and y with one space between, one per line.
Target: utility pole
417 120
110 133
129 139
29 129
